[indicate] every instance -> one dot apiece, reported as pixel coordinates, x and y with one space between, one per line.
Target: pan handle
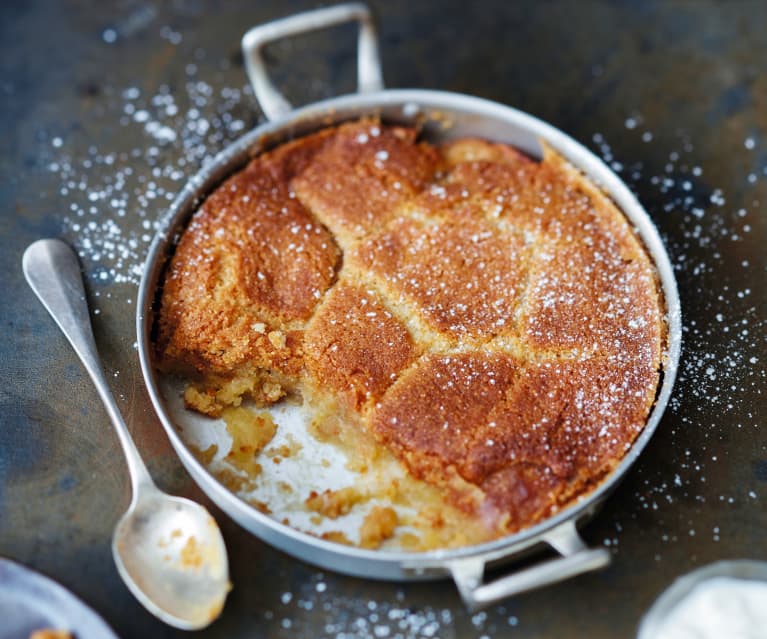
576 559
369 76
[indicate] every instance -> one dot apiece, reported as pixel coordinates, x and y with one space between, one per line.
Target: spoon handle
53 272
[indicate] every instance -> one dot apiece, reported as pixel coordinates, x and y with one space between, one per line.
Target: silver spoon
168 550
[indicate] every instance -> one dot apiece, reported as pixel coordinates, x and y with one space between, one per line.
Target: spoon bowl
179 544
168 550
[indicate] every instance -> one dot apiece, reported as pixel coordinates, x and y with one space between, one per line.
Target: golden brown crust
496 420
491 320
592 296
360 178
252 262
435 414
355 346
564 425
463 278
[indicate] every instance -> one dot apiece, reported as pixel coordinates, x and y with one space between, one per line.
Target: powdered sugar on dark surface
175 135
723 325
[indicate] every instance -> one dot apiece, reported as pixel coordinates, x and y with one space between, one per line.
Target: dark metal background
696 74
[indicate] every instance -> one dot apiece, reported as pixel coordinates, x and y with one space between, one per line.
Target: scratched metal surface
694 72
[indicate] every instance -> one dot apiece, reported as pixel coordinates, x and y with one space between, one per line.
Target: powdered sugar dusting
709 238
174 134
351 617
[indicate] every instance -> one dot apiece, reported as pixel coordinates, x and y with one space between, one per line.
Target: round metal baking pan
441 116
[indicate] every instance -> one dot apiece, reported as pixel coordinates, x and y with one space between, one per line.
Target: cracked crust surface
490 320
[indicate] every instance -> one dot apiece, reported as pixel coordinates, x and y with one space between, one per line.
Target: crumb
336 536
410 541
334 503
237 481
277 338
190 556
250 432
202 400
50 633
260 506
285 450
205 457
378 526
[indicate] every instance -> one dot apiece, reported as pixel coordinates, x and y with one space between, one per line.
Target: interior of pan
443 116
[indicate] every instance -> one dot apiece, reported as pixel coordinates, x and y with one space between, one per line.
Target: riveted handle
273 103
576 559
